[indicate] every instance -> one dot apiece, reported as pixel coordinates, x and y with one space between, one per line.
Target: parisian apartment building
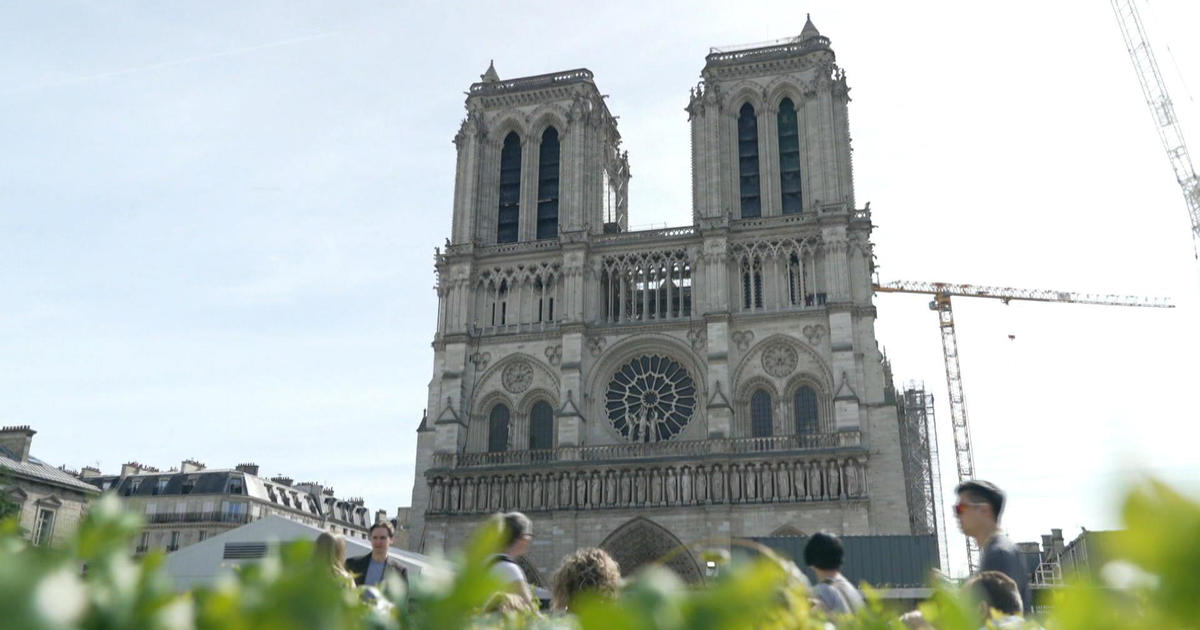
50 502
189 504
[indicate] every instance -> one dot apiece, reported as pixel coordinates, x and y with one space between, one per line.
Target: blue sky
218 219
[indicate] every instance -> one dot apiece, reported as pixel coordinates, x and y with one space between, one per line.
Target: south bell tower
644 390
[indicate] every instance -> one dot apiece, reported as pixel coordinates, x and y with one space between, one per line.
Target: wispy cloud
172 63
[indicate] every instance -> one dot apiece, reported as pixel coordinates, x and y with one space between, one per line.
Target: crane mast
942 292
1159 102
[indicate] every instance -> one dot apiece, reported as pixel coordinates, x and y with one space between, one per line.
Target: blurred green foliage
93 584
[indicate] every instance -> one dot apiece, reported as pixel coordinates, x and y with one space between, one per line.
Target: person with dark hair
372 568
517 533
588 570
999 600
833 591
978 510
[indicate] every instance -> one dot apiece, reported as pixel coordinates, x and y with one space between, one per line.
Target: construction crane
1159 102
942 292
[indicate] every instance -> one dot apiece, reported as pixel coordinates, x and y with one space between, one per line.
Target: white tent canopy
202 563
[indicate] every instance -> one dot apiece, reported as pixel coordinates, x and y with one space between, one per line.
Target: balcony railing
682 448
236 518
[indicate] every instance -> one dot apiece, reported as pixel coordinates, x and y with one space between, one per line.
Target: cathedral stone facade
657 393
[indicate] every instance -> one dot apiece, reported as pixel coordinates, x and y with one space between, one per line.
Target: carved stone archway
640 542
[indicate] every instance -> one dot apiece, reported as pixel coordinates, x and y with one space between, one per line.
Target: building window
203 535
752 285
174 542
789 158
144 542
805 403
510 190
160 486
541 426
498 429
189 484
547 196
43 527
761 424
747 134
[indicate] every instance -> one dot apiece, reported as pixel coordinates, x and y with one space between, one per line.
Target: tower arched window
747 134
804 402
760 414
541 426
789 158
547 196
498 429
509 212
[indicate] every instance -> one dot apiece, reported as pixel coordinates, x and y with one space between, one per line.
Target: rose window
650 399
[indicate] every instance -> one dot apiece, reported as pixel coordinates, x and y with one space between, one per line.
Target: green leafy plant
93 584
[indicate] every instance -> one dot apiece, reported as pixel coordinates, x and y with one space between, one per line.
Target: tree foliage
93 584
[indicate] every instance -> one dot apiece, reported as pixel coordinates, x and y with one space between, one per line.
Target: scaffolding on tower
922 467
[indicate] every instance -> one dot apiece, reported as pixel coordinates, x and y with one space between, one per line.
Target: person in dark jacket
978 510
372 568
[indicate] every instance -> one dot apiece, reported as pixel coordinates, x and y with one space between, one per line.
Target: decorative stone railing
646 235
522 246
768 52
531 83
637 450
651 484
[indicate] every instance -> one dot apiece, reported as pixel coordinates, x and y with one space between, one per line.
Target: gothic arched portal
641 541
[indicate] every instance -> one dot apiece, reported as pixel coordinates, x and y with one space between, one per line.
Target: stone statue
701 486
783 482
439 495
564 491
581 490
768 482
798 481
655 487
524 494
626 488
833 479
510 492
551 492
718 484
850 475
814 480
750 478
454 491
672 488
735 484
536 503
685 485
596 490
639 485
610 488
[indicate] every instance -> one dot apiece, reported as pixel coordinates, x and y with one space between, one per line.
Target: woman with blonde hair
330 551
588 570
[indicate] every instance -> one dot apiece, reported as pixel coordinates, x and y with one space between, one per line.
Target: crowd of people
1001 586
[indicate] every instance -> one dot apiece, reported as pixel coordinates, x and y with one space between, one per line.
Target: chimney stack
249 469
283 480
191 466
17 439
87 472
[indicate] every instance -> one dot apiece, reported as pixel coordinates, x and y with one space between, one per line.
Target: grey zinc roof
896 561
34 468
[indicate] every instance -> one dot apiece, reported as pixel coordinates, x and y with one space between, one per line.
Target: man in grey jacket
835 593
978 510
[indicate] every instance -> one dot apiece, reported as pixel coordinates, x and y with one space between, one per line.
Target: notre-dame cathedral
657 393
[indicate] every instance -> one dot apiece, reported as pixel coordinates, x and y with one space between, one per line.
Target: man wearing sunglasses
978 511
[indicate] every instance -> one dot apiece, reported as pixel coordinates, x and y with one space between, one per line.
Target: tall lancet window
748 162
510 190
547 207
541 427
789 158
805 407
498 429
761 423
